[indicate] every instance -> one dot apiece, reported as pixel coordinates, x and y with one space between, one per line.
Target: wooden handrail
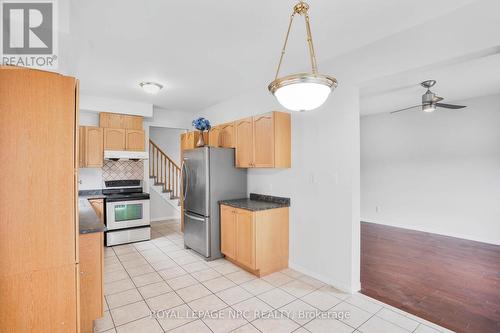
164 170
161 151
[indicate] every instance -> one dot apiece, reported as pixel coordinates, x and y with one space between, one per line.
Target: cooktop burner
126 196
124 190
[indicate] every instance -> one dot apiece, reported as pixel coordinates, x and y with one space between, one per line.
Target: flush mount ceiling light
303 91
151 87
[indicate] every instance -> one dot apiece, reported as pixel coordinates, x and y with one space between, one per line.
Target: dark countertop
257 202
89 221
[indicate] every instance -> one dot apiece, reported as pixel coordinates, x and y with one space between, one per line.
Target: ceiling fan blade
406 109
450 106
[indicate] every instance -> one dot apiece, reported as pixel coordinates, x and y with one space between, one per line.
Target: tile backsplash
116 170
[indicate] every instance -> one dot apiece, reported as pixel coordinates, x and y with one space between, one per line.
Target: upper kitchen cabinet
189 139
114 139
134 140
115 120
263 137
244 143
227 135
264 141
91 147
214 137
122 132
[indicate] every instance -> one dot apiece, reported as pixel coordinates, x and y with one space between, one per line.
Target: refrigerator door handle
196 218
185 179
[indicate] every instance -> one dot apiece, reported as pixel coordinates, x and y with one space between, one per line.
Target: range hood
125 155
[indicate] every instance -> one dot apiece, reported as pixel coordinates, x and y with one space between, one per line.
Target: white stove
127 212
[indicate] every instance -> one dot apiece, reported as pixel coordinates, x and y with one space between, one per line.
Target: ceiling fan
430 101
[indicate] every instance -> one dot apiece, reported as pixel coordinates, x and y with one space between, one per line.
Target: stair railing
164 171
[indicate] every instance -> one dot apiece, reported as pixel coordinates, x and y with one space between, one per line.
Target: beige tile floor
160 275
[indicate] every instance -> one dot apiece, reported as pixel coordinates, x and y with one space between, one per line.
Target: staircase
164 175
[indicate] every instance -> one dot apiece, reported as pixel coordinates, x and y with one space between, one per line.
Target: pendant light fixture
303 91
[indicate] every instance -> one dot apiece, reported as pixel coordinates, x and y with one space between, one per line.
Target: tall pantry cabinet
38 201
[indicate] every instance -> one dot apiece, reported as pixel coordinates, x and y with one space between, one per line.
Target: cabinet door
245 238
94 147
132 122
190 140
114 139
244 143
81 146
91 279
111 120
135 140
228 232
214 137
263 137
227 137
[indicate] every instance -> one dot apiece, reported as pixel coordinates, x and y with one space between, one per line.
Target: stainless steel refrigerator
209 175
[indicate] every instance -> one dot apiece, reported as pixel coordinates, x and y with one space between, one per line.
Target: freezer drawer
197 233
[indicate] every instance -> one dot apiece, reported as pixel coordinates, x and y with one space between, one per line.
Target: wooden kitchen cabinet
214 137
264 141
227 137
245 238
115 120
91 279
189 139
39 204
244 143
228 231
256 241
91 143
91 269
134 140
114 139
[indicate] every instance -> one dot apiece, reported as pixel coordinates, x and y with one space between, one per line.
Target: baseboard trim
332 282
162 218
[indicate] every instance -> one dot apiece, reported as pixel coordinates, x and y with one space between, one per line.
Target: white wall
160 210
168 139
323 183
437 172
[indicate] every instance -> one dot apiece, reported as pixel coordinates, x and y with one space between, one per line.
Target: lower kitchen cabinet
91 269
91 280
228 231
256 241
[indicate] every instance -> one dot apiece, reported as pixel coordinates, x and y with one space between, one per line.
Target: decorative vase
201 140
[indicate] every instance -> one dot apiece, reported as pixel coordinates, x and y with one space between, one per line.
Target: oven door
127 214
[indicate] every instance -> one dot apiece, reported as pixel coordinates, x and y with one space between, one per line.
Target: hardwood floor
452 282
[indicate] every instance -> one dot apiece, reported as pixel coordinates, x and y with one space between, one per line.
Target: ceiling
472 78
207 51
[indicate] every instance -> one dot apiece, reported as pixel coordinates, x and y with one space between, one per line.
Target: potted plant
201 124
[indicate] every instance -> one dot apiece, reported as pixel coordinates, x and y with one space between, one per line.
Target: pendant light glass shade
304 91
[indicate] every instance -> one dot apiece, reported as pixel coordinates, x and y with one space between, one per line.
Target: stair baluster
164 171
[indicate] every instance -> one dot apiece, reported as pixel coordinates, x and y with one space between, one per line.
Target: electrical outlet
377 209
